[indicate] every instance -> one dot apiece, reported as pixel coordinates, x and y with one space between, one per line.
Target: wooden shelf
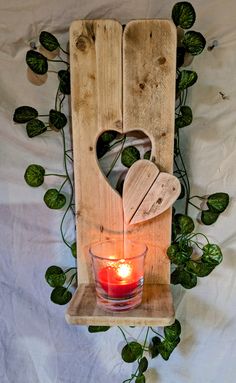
156 309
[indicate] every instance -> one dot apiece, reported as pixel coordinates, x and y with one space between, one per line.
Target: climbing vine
191 253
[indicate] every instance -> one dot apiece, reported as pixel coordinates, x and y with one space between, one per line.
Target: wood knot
90 148
161 60
82 43
159 201
118 124
142 85
101 228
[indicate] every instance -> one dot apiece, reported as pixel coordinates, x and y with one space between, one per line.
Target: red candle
118 280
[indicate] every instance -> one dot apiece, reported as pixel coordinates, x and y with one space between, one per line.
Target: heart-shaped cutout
117 152
148 192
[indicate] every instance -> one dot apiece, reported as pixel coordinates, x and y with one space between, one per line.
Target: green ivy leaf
218 202
34 175
212 254
129 156
60 295
57 119
180 56
173 331
24 114
93 329
55 276
200 269
167 347
64 85
194 42
73 249
147 155
48 41
183 277
108 137
209 217
183 15
143 365
186 79
184 224
177 255
140 379
131 352
35 127
185 119
37 62
53 199
153 347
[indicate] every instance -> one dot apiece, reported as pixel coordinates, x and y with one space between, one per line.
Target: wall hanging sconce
123 81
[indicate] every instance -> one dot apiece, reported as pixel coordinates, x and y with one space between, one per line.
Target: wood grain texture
149 59
147 192
96 93
156 309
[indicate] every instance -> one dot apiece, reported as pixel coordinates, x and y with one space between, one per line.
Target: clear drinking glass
119 273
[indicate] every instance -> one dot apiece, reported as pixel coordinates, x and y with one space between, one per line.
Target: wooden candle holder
122 81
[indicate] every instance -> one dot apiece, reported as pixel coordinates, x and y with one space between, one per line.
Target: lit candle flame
124 270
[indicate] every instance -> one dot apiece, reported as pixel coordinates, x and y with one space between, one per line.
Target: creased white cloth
36 344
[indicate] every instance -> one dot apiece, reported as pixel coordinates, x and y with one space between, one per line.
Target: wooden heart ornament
148 192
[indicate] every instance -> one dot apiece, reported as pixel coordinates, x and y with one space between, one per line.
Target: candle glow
124 270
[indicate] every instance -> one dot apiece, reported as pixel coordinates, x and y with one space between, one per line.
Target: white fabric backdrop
36 344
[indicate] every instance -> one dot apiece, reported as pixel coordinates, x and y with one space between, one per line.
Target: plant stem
71 280
157 333
116 158
70 268
54 174
67 53
123 334
63 184
198 208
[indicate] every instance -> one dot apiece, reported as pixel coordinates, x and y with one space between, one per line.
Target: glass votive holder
118 269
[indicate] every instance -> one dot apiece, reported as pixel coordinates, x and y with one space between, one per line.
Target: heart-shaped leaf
57 120
34 175
218 202
130 155
93 329
60 295
167 347
186 79
183 14
178 255
73 249
147 155
199 268
153 347
64 77
143 365
140 379
48 41
35 127
185 118
131 352
194 42
212 254
37 62
53 199
183 277
209 217
24 114
173 331
55 276
184 224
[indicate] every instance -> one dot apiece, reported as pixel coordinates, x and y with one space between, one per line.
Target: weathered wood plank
96 94
156 309
149 59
